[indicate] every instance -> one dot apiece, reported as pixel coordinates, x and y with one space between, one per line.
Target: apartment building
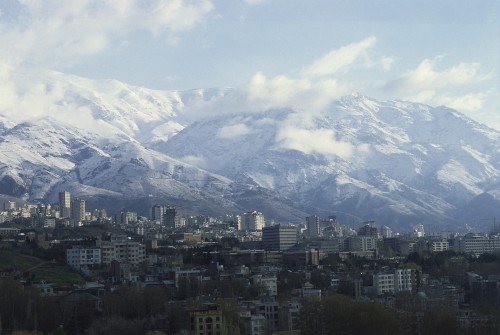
79 256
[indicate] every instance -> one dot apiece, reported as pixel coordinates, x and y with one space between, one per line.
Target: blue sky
279 52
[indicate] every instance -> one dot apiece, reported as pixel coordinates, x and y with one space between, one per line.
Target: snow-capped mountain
395 162
398 163
96 139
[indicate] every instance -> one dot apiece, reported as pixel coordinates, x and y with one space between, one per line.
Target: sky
275 52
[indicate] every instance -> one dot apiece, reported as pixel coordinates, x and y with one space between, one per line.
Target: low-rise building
383 283
79 256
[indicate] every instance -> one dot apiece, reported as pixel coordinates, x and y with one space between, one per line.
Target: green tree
336 314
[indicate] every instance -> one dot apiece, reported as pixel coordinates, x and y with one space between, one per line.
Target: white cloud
199 161
426 77
455 86
386 62
53 33
254 2
234 130
310 141
312 90
283 91
342 58
470 102
300 132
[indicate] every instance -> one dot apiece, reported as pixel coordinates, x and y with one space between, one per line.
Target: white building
65 204
418 230
252 221
403 280
49 222
478 244
361 243
269 282
386 232
79 256
121 249
383 283
438 246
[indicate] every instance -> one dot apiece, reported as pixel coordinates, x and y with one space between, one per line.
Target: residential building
79 256
126 218
206 320
122 249
171 218
156 214
438 246
65 204
254 324
49 222
386 232
368 229
78 210
252 221
361 243
404 280
383 283
269 282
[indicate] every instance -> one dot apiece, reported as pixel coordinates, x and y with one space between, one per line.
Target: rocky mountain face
397 163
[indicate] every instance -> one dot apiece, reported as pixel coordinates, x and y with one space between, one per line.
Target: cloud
318 84
299 131
427 84
313 89
283 91
426 77
234 130
254 2
54 33
468 102
386 62
310 141
199 161
342 58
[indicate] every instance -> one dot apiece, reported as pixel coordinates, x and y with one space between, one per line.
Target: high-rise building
171 217
65 204
279 237
386 232
252 221
78 210
313 226
9 205
368 229
125 218
156 213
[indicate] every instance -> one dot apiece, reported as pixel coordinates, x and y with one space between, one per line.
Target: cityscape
249 167
240 274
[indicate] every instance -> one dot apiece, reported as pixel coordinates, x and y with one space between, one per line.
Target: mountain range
120 146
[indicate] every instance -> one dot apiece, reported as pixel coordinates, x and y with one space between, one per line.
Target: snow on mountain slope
417 162
397 162
46 155
97 139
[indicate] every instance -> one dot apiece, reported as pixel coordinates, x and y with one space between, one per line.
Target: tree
337 314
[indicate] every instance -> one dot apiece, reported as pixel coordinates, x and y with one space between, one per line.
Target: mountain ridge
397 162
